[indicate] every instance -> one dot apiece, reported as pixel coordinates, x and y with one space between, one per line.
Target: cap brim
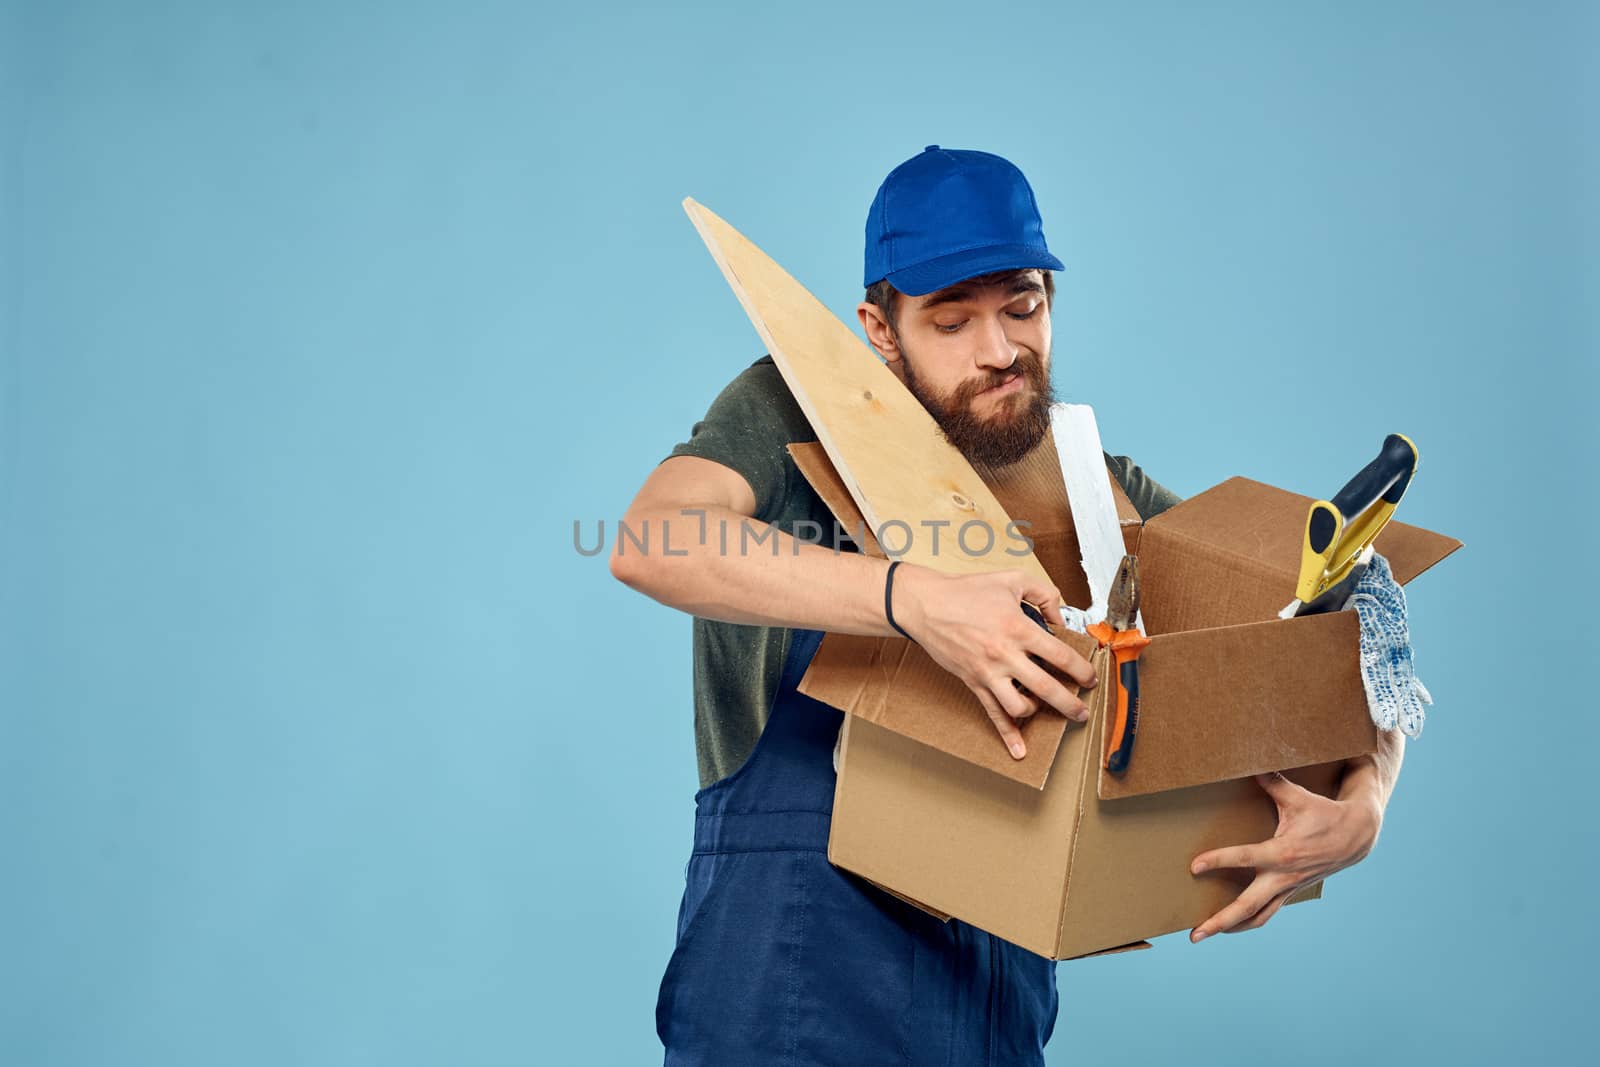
941 273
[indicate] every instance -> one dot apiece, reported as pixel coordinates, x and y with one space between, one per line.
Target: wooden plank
885 445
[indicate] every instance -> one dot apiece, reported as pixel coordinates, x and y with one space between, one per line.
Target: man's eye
952 328
1030 313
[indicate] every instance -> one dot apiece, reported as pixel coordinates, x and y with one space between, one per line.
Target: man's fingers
1281 789
1255 897
1060 655
1003 723
1035 679
1042 595
1030 703
1260 918
1263 854
1013 701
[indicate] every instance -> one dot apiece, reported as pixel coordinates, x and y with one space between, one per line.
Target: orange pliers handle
1125 647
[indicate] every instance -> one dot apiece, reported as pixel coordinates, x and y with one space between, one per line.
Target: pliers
1120 633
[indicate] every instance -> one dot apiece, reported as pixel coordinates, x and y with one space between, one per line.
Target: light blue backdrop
322 322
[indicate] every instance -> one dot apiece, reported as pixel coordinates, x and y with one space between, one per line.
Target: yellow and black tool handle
1339 530
1386 478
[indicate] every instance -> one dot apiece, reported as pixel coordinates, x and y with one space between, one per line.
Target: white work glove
1394 695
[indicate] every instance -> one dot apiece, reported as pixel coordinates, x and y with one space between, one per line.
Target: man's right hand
974 627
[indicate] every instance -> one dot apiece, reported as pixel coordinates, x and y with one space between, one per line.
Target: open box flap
1234 701
1232 554
896 684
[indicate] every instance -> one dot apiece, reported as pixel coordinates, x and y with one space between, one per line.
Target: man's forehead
1012 282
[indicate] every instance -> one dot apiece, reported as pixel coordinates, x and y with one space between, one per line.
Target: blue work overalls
783 959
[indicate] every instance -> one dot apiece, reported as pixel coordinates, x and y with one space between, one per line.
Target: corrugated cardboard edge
1133 946
1100 659
919 905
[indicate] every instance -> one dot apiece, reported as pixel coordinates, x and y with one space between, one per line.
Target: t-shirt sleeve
1148 496
746 430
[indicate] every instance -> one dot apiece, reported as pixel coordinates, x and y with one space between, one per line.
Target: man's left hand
1316 836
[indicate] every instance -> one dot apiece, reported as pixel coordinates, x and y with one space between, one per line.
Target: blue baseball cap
946 215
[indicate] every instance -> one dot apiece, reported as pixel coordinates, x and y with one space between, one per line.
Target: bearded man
781 957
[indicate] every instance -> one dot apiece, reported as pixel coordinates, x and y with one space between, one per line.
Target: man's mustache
1027 364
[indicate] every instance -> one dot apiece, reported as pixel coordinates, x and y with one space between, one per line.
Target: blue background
322 323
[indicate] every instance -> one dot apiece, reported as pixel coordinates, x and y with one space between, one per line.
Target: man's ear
877 330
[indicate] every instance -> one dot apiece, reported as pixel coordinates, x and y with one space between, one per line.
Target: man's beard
1008 433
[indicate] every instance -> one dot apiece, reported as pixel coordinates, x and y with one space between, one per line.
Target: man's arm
1372 778
709 555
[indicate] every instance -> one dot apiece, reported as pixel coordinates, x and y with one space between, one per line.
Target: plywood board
885 445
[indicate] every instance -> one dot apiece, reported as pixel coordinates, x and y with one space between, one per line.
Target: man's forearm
1372 777
726 566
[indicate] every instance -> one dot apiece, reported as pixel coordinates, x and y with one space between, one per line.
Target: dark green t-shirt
736 667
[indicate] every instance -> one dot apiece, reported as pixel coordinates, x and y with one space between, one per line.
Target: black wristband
888 601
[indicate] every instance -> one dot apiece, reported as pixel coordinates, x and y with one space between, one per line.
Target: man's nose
995 348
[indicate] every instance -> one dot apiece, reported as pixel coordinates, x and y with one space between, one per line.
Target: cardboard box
1048 852
1052 852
